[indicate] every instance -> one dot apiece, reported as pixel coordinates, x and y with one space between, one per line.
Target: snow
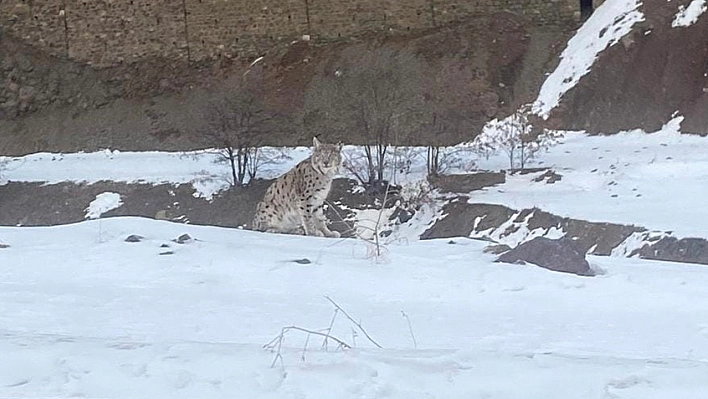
103 203
519 232
87 317
85 314
606 26
636 242
652 180
201 169
687 16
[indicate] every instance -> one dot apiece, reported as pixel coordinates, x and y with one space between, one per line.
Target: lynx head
326 157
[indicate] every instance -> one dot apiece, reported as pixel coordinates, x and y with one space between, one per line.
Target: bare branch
329 329
304 348
410 328
236 123
356 323
275 342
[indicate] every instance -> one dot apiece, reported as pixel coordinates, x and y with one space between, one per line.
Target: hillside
476 70
471 70
654 73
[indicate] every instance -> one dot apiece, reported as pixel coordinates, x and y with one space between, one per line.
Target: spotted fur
294 203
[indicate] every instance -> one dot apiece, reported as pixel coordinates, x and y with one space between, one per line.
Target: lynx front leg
308 223
320 222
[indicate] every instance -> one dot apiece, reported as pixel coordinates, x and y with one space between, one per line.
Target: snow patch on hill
687 16
103 203
608 24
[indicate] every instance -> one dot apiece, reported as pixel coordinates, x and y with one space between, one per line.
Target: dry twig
356 323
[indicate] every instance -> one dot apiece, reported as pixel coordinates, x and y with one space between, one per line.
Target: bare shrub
451 103
264 158
441 160
375 96
516 137
234 124
276 344
237 122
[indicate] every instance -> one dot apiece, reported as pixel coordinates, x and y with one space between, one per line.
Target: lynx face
326 158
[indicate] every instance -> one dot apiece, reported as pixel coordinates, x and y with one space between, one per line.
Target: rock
460 219
162 214
561 255
13 87
21 10
183 239
672 249
550 177
26 94
496 249
464 183
134 238
402 215
303 261
9 105
3 246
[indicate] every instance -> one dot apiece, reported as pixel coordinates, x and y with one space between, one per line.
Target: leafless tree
451 97
236 123
373 95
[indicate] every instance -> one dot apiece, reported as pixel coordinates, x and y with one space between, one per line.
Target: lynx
294 202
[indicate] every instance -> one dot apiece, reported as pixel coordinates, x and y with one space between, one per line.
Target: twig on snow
276 344
356 323
410 328
329 329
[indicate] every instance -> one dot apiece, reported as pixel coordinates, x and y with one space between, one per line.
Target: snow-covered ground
652 180
205 170
85 314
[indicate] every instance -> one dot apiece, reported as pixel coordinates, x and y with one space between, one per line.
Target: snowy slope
606 26
85 314
653 180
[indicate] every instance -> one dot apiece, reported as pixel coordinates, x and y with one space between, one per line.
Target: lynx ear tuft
315 142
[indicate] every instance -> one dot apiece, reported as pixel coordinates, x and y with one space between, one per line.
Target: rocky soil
51 104
33 204
55 104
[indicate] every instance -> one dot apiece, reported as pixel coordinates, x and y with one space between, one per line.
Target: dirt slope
643 80
50 104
